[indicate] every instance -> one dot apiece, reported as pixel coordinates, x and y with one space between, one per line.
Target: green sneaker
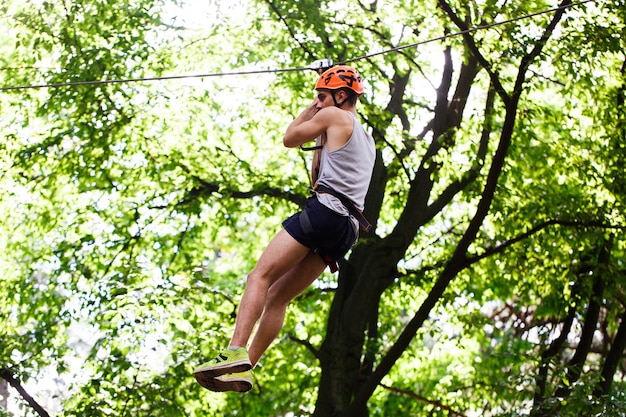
227 362
238 382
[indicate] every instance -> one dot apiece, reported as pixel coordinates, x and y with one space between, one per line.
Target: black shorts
333 234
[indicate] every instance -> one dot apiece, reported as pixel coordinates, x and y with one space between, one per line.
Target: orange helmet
341 76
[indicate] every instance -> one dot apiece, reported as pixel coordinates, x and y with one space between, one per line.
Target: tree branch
612 360
547 355
424 399
289 29
543 225
469 41
590 323
304 343
8 376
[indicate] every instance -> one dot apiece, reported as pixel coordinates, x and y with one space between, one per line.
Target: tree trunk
4 394
372 265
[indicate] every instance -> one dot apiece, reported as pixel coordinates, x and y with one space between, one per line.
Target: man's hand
295 134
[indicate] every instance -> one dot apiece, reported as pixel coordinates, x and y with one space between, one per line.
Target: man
318 236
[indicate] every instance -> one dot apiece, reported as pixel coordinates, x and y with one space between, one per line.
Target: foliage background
133 210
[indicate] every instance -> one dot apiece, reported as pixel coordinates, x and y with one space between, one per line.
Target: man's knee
258 284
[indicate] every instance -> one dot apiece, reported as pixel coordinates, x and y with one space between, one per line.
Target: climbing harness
307 227
348 204
311 148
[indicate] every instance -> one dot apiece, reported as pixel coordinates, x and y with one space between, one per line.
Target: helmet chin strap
337 104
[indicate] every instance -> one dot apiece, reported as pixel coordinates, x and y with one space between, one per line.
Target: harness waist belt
352 209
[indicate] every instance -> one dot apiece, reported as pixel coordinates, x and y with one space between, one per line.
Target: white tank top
348 170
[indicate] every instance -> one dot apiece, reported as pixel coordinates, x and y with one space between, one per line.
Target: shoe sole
217 385
223 369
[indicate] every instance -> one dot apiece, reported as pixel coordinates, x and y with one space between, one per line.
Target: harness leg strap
307 228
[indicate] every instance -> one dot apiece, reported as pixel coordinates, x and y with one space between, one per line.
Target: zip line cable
470 30
270 71
162 78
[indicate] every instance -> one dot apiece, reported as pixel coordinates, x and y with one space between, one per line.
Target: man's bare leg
282 254
226 372
280 294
